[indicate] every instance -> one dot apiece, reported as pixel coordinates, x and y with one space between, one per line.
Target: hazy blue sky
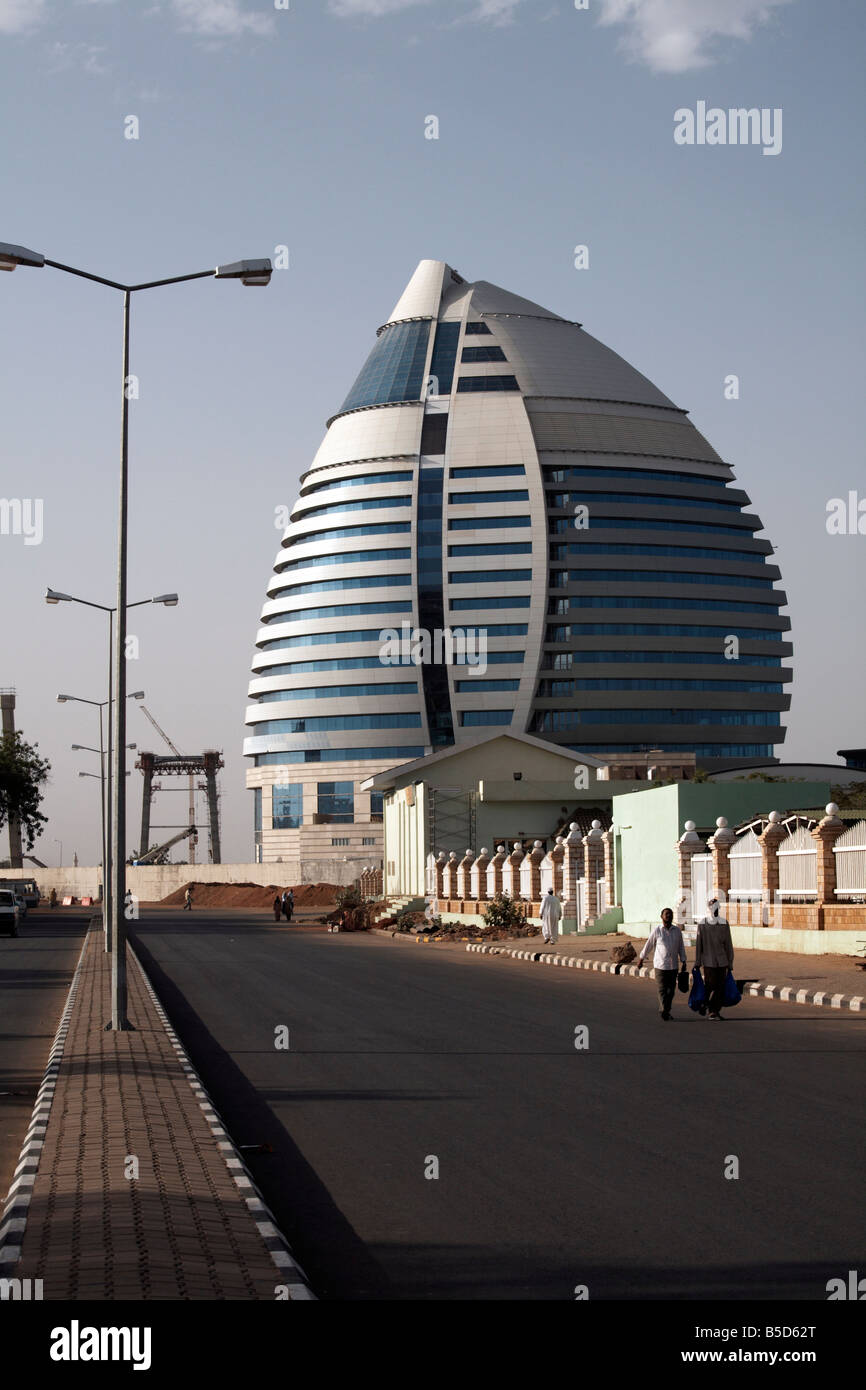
306 127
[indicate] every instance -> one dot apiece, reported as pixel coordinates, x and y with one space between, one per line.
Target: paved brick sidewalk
185 1228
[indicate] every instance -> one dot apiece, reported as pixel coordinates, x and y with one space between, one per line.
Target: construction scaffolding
193 765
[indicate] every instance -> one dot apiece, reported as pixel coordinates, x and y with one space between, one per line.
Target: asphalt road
557 1167
36 970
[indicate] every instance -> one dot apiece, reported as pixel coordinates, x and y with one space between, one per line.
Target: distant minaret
7 704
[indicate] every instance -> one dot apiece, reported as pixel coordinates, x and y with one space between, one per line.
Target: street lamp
249 273
105 773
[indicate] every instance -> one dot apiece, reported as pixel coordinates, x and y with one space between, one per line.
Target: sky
305 127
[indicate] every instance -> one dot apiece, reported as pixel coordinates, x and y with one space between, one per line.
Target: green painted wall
649 823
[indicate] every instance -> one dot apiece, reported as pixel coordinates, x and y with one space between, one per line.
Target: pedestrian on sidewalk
284 903
551 913
666 942
714 953
187 899
278 903
52 898
291 911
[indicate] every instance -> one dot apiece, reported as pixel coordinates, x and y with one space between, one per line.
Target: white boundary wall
152 883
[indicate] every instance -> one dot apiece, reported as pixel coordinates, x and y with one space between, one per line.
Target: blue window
351 533
505 630
488 523
474 717
496 658
703 750
484 601
394 370
623 523
361 581
483 354
746 634
514 548
553 689
337 663
560 475
691 552
490 576
476 328
563 661
362 480
488 383
629 576
647 499
444 357
366 504
462 499
395 754
377 805
721 605
339 610
325 723
339 692
502 470
479 687
257 814
431 610
309 639
287 806
336 802
554 720
346 557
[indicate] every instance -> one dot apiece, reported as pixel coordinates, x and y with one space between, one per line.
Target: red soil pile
254 895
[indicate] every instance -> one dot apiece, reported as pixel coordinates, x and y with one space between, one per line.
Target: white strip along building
495 467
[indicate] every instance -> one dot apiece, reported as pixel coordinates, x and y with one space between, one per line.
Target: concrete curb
278 1247
787 994
16 1209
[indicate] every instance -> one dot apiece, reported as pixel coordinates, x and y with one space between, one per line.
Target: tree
22 775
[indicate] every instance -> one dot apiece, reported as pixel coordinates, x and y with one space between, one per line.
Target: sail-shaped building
495 468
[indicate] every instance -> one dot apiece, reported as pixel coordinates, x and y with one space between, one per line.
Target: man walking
291 911
714 953
187 899
551 912
285 903
666 941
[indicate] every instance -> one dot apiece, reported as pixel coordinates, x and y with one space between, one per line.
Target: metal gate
450 819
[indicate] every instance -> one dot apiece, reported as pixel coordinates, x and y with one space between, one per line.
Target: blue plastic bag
698 996
731 995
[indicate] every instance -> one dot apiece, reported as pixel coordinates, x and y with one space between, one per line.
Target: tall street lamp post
106 799
249 273
169 601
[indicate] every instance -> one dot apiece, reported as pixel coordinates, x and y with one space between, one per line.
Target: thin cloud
86 57
490 11
220 19
17 16
678 35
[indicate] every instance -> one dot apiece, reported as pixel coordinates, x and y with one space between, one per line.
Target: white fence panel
850 851
798 865
702 884
745 861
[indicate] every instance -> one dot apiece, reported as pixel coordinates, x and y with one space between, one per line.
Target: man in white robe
551 912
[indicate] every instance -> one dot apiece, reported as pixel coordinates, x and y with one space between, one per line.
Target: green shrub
503 912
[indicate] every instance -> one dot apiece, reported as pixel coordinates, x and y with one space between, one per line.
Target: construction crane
155 855
163 735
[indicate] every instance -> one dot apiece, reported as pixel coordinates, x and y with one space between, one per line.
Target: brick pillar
825 835
769 840
439 874
464 871
572 870
534 860
688 844
557 855
478 878
608 839
494 873
719 846
449 876
593 858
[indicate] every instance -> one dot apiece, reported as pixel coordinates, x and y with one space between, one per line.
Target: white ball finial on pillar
721 822
775 817
831 808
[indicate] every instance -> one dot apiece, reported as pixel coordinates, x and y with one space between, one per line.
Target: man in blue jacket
666 942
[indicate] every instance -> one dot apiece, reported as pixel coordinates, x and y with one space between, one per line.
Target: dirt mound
256 895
